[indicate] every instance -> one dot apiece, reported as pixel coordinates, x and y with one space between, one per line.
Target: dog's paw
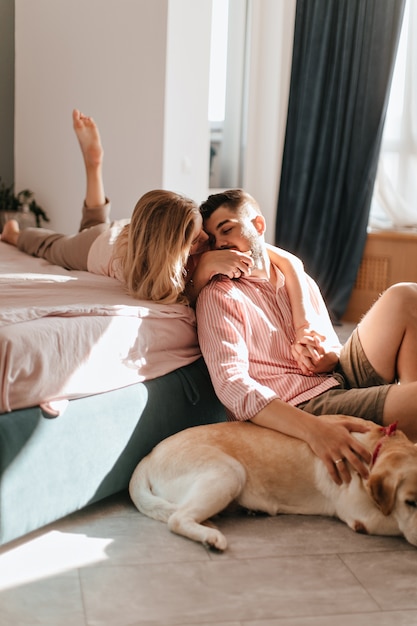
214 540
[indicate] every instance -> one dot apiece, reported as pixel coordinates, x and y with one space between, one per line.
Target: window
395 194
218 63
227 92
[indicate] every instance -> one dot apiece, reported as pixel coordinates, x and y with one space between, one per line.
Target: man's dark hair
233 198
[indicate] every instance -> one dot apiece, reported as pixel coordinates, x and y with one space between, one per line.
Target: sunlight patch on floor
49 555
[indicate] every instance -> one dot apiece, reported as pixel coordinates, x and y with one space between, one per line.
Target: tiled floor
109 565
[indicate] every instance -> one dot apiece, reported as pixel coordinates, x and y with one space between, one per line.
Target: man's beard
255 246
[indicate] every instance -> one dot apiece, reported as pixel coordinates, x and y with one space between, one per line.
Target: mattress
91 380
50 468
69 334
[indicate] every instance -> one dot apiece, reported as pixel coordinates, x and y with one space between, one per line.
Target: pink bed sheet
67 334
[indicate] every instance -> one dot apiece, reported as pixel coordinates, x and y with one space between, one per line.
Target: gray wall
7 91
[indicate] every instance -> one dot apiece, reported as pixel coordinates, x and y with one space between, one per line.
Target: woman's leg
70 251
10 232
96 208
90 143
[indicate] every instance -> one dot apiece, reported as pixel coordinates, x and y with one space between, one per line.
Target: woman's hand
231 263
311 352
312 360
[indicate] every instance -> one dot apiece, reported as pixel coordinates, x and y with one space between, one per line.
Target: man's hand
331 440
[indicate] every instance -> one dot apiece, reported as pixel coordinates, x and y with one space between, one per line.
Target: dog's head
392 483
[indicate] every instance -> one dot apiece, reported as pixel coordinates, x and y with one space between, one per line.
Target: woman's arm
316 346
297 286
201 270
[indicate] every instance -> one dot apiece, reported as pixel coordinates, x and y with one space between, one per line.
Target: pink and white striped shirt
245 330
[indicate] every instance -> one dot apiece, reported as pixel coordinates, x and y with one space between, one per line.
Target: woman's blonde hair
153 248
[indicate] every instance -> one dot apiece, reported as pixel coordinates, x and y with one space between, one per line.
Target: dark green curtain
343 59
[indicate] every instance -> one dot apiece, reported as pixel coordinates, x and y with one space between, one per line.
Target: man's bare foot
89 138
10 233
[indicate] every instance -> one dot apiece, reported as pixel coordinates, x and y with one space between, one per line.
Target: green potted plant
19 205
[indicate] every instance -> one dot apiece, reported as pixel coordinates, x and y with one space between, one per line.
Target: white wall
141 69
110 60
271 35
187 130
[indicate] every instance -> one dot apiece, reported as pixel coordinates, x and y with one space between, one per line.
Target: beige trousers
68 251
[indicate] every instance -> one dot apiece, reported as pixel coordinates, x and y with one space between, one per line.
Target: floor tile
250 535
389 577
221 591
52 601
134 571
47 555
136 539
394 618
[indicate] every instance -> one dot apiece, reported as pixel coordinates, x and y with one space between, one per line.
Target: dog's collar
386 431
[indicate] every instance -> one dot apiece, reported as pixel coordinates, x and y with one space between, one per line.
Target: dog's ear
383 488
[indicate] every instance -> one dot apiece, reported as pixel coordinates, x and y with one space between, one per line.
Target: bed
91 380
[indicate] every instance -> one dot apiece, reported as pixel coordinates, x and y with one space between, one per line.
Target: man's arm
225 327
329 439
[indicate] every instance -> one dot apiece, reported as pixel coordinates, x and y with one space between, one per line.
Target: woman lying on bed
157 268
161 253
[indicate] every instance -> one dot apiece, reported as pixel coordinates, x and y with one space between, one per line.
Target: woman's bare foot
89 138
10 233
92 150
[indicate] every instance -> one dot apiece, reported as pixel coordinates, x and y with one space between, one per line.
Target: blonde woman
155 253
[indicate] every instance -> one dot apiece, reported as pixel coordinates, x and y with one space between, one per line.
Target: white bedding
67 334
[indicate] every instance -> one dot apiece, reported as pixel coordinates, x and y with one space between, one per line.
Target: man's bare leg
92 151
388 334
400 406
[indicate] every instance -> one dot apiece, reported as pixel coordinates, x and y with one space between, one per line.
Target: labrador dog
197 473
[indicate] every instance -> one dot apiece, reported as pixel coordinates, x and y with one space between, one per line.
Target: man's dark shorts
361 391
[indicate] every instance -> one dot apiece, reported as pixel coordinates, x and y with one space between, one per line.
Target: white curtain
394 204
